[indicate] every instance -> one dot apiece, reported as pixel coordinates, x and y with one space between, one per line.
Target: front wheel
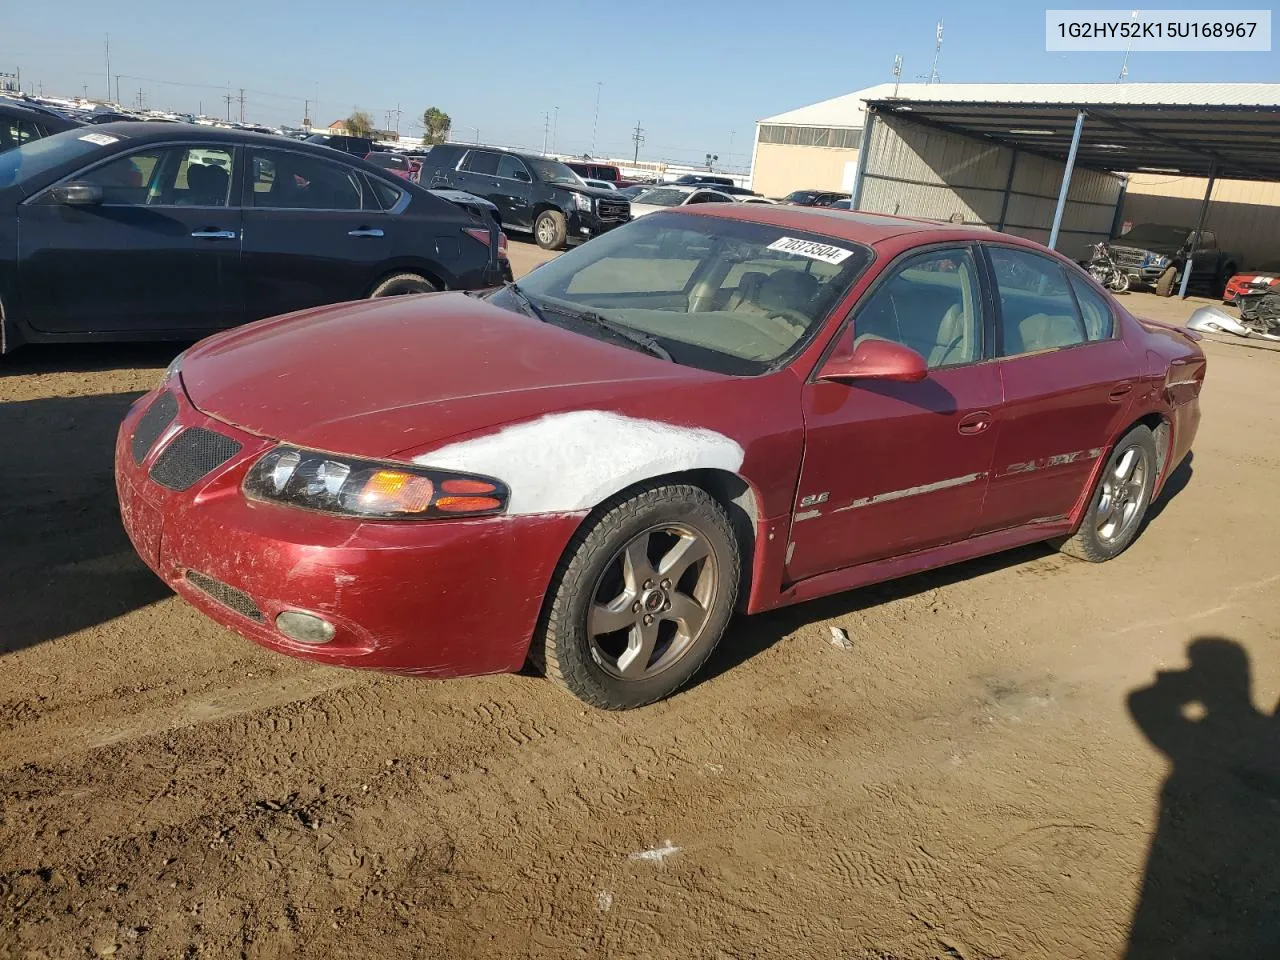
1119 501
1167 281
641 598
551 230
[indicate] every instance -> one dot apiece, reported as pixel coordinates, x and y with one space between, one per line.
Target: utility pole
228 97
241 98
306 115
546 128
85 87
897 73
937 52
108 36
595 124
397 119
637 138
139 98
728 157
117 89
555 121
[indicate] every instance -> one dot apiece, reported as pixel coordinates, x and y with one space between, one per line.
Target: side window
1094 310
1208 239
931 304
386 195
1037 311
129 181
202 178
296 181
482 162
513 168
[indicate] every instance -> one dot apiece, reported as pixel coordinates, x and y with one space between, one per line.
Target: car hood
391 377
1164 249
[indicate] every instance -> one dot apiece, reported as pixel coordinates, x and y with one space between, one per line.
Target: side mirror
524 175
874 360
77 193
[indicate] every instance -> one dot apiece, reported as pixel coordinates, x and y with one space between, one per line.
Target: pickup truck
1155 254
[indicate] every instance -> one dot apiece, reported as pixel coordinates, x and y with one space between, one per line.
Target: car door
1205 264
1068 383
891 468
477 174
513 192
160 253
312 234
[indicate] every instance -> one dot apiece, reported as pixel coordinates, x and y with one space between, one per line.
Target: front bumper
584 224
439 598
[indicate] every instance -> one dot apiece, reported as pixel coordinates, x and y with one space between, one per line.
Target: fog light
304 627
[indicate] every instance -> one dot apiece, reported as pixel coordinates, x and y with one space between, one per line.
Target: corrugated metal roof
850 109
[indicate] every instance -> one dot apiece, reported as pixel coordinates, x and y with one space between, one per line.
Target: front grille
1128 257
613 209
158 416
193 454
229 597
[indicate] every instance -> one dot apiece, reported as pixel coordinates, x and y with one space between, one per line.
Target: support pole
1008 189
864 148
1066 182
1195 237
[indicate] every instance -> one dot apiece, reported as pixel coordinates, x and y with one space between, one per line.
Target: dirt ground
969 779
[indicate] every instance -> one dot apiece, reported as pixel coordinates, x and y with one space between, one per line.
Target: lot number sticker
807 248
101 139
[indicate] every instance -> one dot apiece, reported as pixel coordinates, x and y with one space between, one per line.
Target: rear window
35 157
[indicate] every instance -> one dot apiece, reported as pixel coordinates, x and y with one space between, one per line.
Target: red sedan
707 410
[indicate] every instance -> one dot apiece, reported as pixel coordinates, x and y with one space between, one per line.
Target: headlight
1160 262
582 201
370 488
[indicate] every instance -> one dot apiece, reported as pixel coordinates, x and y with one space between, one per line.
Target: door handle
974 423
1119 392
365 232
215 234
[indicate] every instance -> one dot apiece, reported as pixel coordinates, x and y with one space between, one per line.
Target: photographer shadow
1212 883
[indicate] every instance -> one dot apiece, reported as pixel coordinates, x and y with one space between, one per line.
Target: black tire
402 284
1164 286
583 661
551 230
1097 541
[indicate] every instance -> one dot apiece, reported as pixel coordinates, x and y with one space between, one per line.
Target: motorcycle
1104 269
1259 317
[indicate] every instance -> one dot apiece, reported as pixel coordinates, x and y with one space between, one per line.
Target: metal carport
1215 131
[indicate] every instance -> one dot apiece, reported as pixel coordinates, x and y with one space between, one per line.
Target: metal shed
1041 159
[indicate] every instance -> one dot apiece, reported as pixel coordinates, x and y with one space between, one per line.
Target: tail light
482 234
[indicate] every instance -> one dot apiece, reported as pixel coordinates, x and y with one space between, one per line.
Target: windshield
34 157
553 171
801 196
663 198
1155 233
724 295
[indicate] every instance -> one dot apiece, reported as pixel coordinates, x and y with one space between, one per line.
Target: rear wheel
641 598
402 284
1119 282
550 230
1119 501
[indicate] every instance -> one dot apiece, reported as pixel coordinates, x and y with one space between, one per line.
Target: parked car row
170 231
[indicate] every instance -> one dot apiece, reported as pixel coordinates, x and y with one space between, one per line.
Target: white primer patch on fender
568 462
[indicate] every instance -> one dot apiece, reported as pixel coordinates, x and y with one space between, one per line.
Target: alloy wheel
1120 500
652 601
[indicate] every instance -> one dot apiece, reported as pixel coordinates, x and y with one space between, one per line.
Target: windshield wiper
529 306
618 329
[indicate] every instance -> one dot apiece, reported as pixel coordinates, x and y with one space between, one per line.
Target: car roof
856 227
142 131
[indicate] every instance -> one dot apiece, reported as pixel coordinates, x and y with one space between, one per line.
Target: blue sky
696 76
